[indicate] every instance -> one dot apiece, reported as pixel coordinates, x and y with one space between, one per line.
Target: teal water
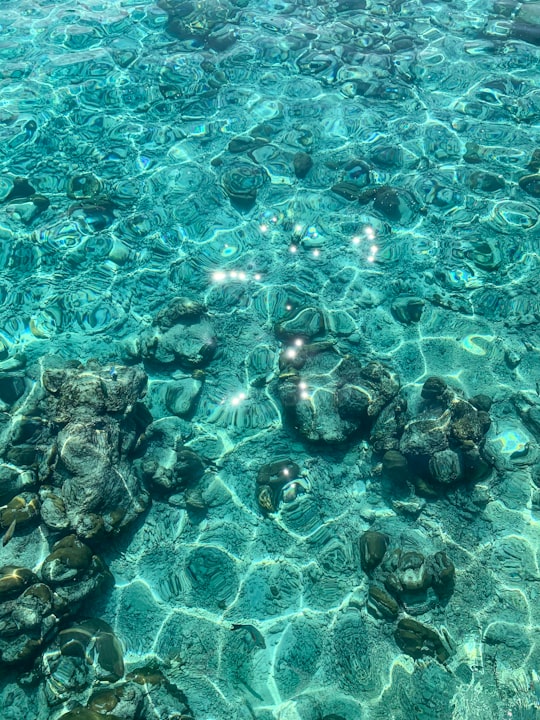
269 360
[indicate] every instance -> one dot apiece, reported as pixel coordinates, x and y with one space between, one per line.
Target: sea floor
270 360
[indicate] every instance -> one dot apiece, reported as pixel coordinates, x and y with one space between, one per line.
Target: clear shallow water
328 180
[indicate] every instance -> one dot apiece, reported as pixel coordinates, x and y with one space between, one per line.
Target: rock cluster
406 583
329 397
439 446
33 604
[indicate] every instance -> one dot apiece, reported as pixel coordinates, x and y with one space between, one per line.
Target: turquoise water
269 360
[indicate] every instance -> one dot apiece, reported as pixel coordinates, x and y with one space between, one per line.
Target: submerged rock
372 549
329 397
531 185
74 571
419 640
302 164
277 482
167 465
408 309
241 181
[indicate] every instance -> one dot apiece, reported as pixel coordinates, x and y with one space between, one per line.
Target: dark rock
395 204
424 437
410 573
486 182
179 310
241 182
348 190
468 423
302 164
444 574
267 498
186 345
407 309
13 480
472 153
434 390
91 391
21 189
14 580
26 623
22 510
387 156
388 426
74 572
12 387
271 479
221 38
419 640
474 465
373 546
381 384
534 163
380 604
245 144
318 416
353 403
278 472
445 467
531 185
526 24
167 465
94 639
69 560
357 173
84 187
395 466
100 490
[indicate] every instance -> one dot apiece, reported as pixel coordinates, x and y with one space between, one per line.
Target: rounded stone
531 185
69 560
241 182
434 389
302 164
408 309
395 204
83 186
380 604
14 580
486 182
373 546
395 465
445 467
